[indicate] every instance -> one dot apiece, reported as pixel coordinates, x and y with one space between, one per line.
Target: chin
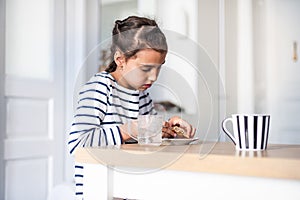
142 89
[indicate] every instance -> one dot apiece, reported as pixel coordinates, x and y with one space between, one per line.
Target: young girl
111 99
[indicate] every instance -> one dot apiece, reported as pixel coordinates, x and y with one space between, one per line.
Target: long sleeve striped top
103 106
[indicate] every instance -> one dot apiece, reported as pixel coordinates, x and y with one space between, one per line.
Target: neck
119 78
116 75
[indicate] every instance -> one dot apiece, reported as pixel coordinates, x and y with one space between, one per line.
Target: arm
86 129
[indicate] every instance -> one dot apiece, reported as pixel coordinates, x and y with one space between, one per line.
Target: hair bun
118 22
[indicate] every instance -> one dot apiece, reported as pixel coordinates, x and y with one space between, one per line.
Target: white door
283 88
34 84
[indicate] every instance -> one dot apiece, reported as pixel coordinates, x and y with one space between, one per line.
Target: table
207 170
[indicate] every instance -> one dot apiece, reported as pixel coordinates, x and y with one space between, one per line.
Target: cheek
132 73
136 76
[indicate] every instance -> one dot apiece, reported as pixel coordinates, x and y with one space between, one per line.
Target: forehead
150 56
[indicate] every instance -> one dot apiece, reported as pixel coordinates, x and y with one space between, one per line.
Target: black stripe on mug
251 131
255 131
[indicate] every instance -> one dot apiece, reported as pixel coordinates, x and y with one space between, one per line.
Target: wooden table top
278 161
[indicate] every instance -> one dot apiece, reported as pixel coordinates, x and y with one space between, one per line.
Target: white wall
230 56
261 75
180 25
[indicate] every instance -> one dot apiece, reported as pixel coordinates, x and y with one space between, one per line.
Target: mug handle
226 130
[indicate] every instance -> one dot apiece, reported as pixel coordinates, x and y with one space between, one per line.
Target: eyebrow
152 65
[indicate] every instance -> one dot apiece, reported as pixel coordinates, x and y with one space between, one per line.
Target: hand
177 121
129 130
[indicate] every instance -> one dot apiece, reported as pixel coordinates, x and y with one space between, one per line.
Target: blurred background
226 57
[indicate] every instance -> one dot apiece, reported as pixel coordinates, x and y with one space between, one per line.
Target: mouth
146 86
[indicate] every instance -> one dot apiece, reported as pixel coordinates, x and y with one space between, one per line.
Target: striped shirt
103 106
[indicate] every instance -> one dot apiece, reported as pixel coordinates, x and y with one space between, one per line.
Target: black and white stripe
78 176
103 106
250 131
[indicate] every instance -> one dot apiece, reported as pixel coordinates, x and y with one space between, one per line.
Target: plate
178 141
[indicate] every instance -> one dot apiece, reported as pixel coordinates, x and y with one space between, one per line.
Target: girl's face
141 70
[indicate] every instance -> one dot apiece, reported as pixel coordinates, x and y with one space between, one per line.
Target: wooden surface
278 161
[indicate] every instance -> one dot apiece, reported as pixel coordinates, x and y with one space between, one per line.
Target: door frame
2 99
82 30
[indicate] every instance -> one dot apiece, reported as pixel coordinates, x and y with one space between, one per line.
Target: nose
153 75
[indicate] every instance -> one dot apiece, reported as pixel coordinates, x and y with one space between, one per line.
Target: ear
119 58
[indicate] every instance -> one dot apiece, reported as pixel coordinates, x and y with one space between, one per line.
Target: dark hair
134 34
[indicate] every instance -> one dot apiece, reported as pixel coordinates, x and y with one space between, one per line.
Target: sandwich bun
180 132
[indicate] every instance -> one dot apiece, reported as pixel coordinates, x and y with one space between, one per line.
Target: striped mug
250 131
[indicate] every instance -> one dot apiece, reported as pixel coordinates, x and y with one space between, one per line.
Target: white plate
178 141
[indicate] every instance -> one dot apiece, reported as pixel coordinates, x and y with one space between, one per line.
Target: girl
110 99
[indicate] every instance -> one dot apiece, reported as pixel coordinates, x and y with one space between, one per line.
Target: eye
146 68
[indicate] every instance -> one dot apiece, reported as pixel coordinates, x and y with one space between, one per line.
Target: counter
204 164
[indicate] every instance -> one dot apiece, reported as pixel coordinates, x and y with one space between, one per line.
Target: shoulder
102 77
101 80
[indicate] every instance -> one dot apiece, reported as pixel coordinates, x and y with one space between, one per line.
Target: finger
168 129
167 132
174 120
166 124
171 134
193 132
166 135
188 127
